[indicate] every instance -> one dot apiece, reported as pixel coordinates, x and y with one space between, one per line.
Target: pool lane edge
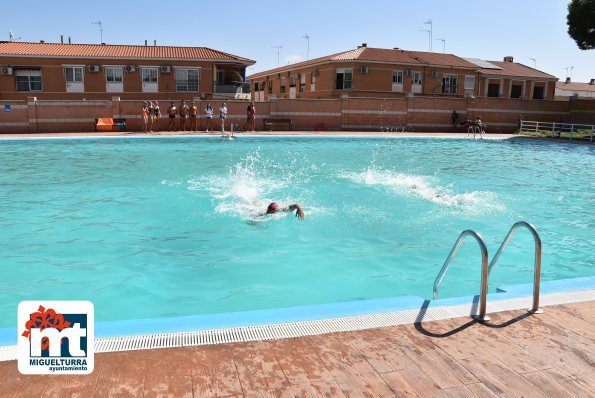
313 320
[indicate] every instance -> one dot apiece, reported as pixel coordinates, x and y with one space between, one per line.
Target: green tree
581 23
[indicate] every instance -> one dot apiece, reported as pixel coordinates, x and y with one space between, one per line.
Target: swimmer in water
275 208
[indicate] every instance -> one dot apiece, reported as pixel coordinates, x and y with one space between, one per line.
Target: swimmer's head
273 208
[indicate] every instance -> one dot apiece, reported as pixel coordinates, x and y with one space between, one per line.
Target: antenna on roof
429 22
307 37
571 68
278 52
11 36
534 62
443 43
100 26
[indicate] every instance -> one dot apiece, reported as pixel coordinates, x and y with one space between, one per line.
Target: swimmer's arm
299 212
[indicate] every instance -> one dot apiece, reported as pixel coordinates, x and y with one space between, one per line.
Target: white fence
557 129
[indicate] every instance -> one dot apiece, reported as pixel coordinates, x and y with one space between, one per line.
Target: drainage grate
310 328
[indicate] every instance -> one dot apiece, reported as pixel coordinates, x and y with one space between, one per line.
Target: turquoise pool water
162 227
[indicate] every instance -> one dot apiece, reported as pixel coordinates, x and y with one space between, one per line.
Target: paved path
548 355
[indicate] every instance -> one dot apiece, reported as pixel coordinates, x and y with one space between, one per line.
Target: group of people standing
188 115
151 115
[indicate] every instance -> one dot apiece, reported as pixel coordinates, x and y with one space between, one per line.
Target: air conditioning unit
408 72
6 71
363 70
165 69
435 74
129 68
94 68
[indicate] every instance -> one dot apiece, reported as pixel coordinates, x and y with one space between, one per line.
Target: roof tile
116 51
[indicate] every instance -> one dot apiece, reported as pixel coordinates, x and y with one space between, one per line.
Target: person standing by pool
222 116
172 111
193 116
155 116
209 116
519 124
275 208
145 113
183 115
251 117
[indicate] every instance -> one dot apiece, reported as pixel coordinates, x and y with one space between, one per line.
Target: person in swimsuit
172 111
275 208
193 116
145 113
183 115
222 116
209 116
251 117
156 116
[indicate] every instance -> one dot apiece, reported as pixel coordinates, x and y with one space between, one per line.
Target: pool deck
516 354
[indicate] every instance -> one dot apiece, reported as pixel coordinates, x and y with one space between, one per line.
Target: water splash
248 187
426 188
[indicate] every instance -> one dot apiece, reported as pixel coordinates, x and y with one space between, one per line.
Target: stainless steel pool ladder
486 269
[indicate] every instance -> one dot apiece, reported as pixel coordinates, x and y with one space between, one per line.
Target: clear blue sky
525 29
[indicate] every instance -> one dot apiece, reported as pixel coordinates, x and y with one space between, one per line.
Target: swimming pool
163 227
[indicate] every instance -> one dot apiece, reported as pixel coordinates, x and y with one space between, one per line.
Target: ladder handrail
537 262
484 269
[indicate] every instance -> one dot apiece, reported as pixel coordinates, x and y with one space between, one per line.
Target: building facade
397 73
58 71
570 90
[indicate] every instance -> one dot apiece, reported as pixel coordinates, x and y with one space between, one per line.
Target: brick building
396 73
57 71
568 89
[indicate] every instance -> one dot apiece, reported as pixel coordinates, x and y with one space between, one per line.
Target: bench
269 122
110 124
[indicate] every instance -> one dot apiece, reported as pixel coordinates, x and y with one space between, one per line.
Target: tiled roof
438 59
515 70
575 86
116 51
396 56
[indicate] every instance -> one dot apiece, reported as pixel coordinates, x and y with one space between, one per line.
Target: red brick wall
348 113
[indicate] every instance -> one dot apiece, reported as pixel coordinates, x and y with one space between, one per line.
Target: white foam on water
246 190
426 188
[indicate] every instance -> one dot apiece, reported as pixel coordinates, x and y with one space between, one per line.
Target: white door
150 80
74 79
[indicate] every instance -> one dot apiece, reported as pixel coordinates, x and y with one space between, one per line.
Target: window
261 86
282 89
113 74
187 80
270 87
449 84
29 80
516 91
398 76
255 86
469 85
292 80
538 93
74 74
344 79
417 78
149 75
493 89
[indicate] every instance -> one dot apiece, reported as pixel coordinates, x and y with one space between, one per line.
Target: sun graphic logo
55 337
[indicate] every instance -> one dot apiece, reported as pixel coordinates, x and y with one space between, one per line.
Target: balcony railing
233 88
